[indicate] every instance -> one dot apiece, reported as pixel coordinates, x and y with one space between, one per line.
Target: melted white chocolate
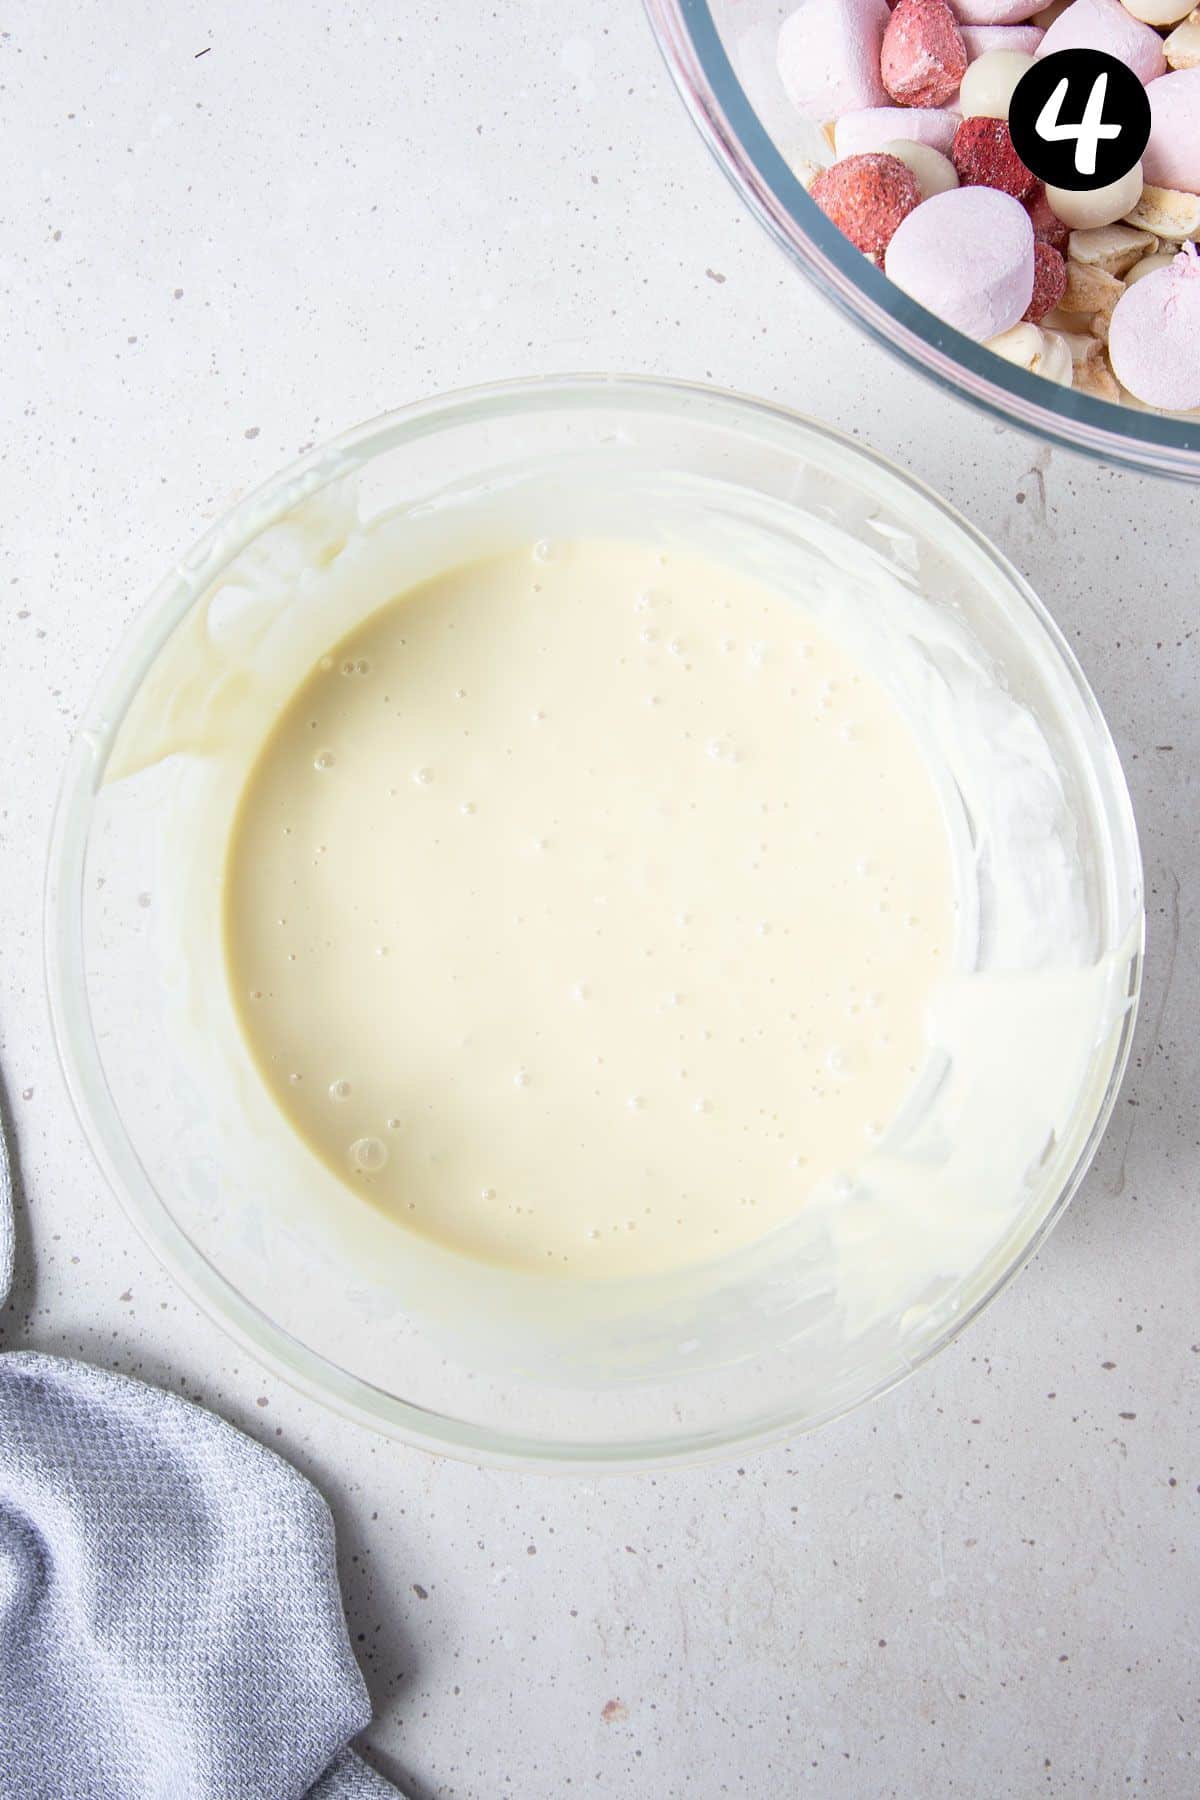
584 908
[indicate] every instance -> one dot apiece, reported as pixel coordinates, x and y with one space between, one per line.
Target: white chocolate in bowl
585 905
1019 1033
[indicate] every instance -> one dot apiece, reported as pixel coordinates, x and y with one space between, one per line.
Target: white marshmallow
980 39
993 12
1154 335
828 56
1105 25
857 133
1172 158
967 255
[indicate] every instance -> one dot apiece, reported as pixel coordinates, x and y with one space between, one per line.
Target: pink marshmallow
979 39
1154 335
1105 25
1172 158
828 56
858 132
968 256
995 12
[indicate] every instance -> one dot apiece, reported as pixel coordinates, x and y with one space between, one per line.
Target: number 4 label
1072 152
1090 129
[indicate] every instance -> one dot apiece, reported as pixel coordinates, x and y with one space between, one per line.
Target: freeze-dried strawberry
983 154
923 57
867 197
1048 228
1049 282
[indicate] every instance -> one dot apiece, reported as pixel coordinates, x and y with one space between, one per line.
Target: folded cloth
170 1621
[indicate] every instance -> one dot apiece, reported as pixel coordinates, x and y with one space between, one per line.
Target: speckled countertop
985 1584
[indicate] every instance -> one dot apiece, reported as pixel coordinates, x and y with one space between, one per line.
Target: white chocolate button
1158 12
1102 206
1021 345
1161 259
987 87
1113 248
1043 353
935 173
1056 363
1182 48
1167 212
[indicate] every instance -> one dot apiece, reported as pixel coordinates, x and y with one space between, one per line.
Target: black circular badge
1079 119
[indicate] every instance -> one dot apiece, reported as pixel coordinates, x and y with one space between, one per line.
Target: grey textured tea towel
170 1621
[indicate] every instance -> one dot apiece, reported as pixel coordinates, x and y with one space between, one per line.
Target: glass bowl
510 1369
721 56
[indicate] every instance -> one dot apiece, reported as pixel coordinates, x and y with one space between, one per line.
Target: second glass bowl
341 1303
720 54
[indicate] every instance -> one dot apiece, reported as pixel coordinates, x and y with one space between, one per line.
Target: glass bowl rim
215 1294
728 123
